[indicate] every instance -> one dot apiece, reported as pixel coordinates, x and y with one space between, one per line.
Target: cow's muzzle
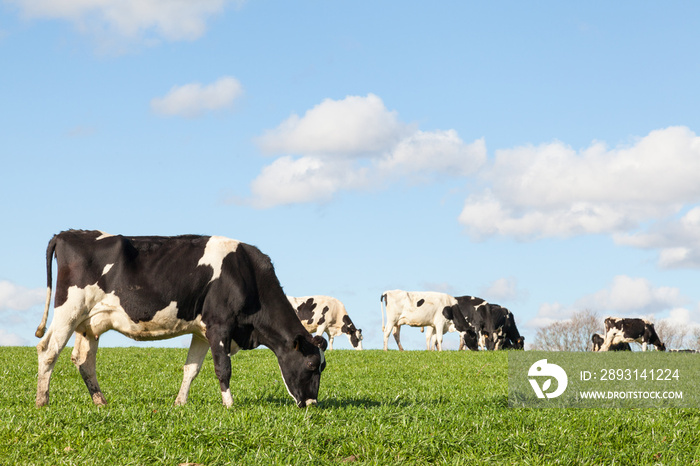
307 403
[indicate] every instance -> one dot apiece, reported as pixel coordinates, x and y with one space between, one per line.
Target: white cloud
678 240
553 190
11 339
131 19
624 297
628 296
354 126
191 100
354 143
548 314
503 289
18 298
306 179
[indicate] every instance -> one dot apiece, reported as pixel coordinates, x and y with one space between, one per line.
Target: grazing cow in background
597 339
494 324
417 309
325 314
628 330
469 337
224 292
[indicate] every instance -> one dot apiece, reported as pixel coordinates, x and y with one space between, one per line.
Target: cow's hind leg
49 347
397 336
85 359
195 358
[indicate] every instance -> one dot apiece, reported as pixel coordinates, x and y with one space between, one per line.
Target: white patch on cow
107 268
226 398
103 235
218 247
98 312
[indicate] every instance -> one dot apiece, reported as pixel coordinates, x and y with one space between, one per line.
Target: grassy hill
374 407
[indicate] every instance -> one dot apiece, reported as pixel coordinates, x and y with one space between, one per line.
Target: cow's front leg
429 338
221 350
84 357
195 357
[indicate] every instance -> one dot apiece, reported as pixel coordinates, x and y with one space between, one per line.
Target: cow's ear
447 312
320 342
297 342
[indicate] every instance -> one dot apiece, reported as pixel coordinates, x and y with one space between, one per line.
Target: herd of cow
227 296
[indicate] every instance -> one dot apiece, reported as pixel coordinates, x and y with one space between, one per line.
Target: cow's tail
382 303
50 251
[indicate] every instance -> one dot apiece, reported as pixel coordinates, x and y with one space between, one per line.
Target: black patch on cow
420 302
131 278
350 329
323 315
305 311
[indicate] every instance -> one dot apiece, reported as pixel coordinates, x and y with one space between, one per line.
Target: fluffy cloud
678 240
18 298
133 19
11 339
191 100
624 297
628 296
306 179
553 190
354 126
354 143
503 289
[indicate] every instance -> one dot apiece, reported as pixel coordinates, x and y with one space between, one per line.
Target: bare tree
573 334
672 335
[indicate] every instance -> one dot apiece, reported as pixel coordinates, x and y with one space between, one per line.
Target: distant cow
628 330
417 309
224 292
469 337
597 339
325 314
494 324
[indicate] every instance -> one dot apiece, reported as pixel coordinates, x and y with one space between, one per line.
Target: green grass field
374 408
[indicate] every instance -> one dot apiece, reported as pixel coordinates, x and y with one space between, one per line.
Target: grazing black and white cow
597 339
326 314
469 337
417 309
494 324
224 292
619 330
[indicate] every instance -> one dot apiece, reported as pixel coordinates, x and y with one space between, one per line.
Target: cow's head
301 365
353 332
519 343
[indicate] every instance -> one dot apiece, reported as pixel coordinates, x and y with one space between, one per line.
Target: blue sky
541 155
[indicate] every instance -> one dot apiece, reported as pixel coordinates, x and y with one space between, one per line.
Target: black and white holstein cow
326 314
597 339
619 330
417 309
224 292
494 324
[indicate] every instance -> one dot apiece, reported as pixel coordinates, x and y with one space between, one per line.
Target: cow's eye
311 365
